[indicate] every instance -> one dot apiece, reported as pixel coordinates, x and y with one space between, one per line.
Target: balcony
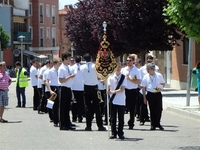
26 34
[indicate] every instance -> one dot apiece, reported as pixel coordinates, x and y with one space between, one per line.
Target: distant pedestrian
198 79
5 81
21 84
152 84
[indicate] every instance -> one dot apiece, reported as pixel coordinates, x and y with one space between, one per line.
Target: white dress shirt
53 77
133 73
42 70
63 72
45 76
89 74
33 74
119 98
152 82
78 79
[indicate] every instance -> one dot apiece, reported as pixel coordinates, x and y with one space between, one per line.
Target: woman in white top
152 84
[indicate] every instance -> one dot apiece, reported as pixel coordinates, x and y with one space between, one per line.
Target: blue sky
62 3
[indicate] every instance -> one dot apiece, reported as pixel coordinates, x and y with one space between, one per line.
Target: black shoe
141 123
51 121
88 129
18 106
160 127
130 127
113 136
71 124
23 106
40 112
102 129
152 128
64 128
121 137
56 125
138 119
74 120
71 128
80 121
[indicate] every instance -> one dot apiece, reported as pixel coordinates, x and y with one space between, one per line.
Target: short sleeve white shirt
89 74
133 73
53 77
42 70
119 98
45 76
33 74
152 82
78 79
63 72
40 81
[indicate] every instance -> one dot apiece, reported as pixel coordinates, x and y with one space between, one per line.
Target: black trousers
65 100
48 109
78 107
56 105
143 109
92 104
155 106
36 98
117 110
43 99
131 101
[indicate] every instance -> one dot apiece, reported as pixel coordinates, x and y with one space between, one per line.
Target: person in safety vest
21 84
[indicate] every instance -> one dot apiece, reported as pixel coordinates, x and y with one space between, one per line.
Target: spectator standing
21 84
5 81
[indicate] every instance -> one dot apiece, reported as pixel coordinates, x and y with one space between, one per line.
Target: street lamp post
21 37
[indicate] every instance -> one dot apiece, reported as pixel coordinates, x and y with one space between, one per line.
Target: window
47 10
53 15
185 50
30 9
41 13
47 33
53 37
31 32
41 37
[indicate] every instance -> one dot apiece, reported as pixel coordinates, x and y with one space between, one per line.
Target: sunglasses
72 60
128 60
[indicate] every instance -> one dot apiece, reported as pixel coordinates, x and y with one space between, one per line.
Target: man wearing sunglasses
133 77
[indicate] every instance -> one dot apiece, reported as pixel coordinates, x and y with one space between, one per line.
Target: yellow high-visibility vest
23 79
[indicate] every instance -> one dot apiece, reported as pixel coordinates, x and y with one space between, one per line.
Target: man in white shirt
153 83
34 81
143 115
118 102
65 79
133 77
52 85
43 100
77 89
91 100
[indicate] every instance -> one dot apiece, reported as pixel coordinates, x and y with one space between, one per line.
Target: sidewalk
175 100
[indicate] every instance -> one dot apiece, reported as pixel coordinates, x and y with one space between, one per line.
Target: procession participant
21 84
90 87
153 83
34 80
47 93
118 102
52 85
77 89
143 107
5 82
43 100
39 86
133 77
66 79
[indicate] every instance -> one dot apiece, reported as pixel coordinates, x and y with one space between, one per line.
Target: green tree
4 38
186 15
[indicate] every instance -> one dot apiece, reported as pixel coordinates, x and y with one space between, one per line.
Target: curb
183 112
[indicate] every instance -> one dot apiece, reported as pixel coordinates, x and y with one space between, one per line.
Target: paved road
28 130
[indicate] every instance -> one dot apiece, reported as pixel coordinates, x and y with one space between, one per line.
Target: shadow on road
129 139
